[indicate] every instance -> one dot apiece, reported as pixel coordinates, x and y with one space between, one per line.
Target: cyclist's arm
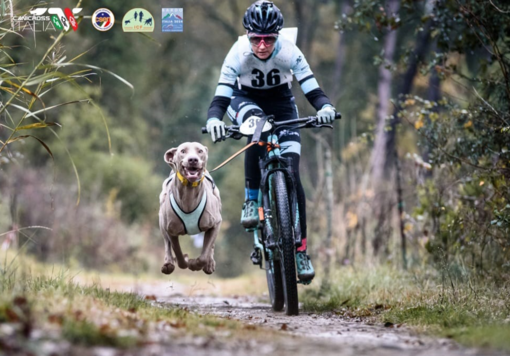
306 79
229 72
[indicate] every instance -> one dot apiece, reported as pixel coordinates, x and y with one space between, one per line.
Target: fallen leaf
177 324
250 327
150 297
12 316
284 327
78 314
19 301
56 319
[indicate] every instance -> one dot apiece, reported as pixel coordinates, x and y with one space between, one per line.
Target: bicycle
278 233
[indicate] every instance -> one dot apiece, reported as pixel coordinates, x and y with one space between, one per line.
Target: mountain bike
278 233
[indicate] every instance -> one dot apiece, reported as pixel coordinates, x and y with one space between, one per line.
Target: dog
189 204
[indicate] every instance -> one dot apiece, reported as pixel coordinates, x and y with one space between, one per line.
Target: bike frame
263 236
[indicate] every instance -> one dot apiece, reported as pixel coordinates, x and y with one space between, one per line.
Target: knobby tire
286 243
275 284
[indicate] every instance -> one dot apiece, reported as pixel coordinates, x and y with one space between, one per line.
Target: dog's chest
189 220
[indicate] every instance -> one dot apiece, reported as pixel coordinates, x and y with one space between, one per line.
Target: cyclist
255 80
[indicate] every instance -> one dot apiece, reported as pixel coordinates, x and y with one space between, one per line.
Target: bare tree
379 153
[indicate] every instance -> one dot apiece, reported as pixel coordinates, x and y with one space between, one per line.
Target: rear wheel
282 225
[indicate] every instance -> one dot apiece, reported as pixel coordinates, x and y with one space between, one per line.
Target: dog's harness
191 220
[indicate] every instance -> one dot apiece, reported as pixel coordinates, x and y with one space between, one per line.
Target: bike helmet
263 17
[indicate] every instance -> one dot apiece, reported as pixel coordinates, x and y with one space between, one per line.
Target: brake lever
318 126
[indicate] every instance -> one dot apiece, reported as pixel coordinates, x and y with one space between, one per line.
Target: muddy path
306 334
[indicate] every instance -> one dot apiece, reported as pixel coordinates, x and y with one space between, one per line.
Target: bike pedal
256 257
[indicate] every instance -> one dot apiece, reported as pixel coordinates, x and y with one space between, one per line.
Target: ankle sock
303 245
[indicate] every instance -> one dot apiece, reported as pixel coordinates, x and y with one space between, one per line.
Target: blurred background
415 174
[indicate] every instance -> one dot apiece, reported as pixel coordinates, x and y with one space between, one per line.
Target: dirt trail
306 334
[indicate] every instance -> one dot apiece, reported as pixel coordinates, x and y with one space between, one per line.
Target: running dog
189 204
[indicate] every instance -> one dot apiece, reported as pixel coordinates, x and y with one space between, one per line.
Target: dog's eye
200 151
183 150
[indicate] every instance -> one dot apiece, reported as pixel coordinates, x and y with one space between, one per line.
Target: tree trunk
328 174
307 13
421 49
379 152
340 57
433 94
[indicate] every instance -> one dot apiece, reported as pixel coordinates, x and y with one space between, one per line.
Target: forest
414 178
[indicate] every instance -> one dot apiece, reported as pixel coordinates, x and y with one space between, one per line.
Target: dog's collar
186 182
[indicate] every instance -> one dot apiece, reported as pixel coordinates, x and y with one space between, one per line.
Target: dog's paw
210 267
167 268
196 264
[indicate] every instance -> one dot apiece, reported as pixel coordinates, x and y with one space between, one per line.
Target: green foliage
463 136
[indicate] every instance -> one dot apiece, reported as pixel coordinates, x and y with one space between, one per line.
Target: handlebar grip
338 116
204 130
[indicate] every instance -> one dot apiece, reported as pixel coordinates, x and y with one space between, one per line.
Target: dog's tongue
192 175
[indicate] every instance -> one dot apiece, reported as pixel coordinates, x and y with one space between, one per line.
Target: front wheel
274 284
282 222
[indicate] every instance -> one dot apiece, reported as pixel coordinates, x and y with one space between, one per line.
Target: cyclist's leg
239 110
290 141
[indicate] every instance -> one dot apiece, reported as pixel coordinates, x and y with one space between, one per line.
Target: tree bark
307 14
421 49
328 174
340 57
379 152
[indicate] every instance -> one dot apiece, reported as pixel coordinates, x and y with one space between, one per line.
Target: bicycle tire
275 285
286 243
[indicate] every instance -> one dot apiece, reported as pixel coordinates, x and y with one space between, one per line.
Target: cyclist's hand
216 128
326 115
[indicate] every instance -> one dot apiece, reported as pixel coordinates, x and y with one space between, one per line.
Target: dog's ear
169 156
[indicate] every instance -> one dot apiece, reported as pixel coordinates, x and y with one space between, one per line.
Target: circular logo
103 19
138 20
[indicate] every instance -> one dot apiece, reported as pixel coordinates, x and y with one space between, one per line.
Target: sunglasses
268 40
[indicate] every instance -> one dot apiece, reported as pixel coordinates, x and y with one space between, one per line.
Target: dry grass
40 302
468 309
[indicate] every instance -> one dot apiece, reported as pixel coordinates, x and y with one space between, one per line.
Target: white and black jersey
244 74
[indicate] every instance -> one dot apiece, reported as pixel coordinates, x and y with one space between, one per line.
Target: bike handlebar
310 121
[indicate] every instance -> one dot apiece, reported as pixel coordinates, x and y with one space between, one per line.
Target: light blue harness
191 220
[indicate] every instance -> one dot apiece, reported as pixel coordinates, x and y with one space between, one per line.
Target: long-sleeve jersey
243 73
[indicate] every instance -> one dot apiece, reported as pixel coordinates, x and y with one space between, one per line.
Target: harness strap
191 220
